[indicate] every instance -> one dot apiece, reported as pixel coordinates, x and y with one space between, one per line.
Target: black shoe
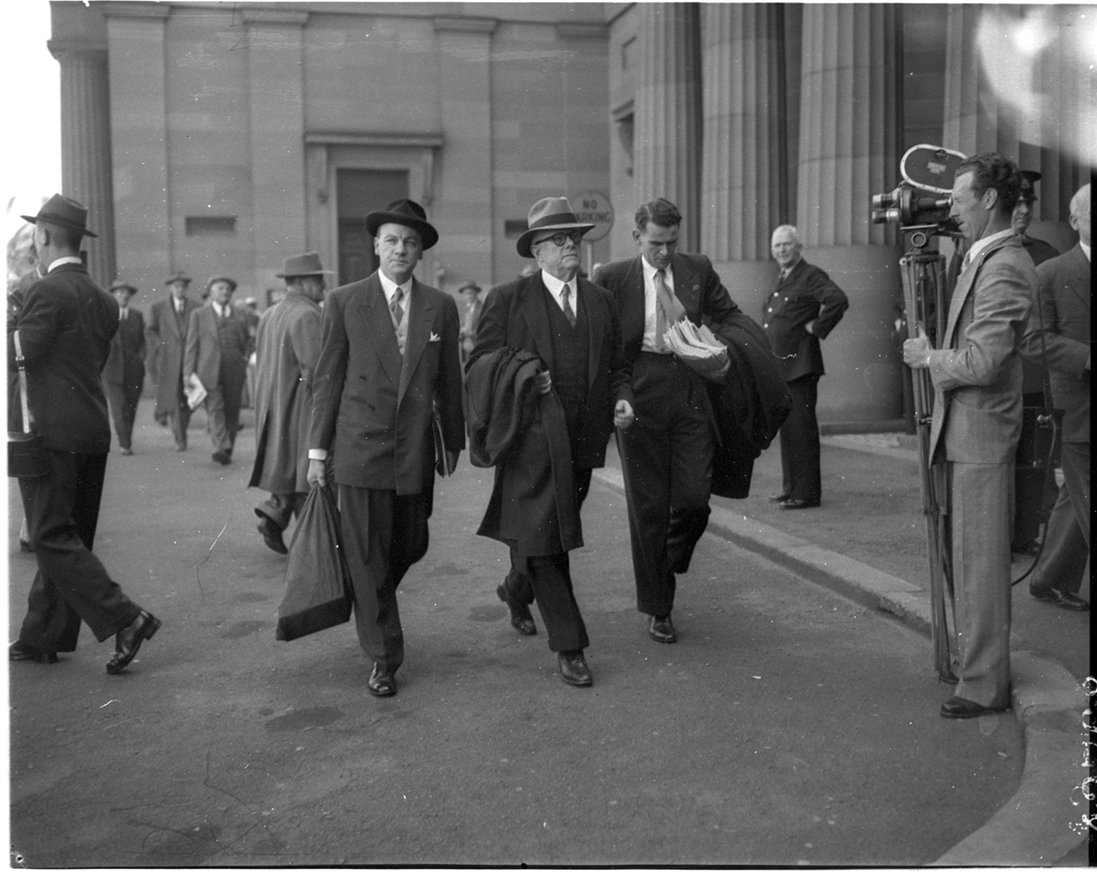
271 534
661 629
573 669
1060 598
20 651
779 498
520 617
792 503
127 641
26 547
180 444
222 457
958 707
381 681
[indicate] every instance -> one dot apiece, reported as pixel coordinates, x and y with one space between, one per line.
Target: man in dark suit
389 358
1059 331
64 330
573 327
802 310
124 373
166 339
216 354
667 453
976 422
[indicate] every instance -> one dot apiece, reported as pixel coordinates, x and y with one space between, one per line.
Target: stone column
86 148
668 113
277 139
463 198
849 149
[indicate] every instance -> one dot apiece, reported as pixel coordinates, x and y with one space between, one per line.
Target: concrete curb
1042 822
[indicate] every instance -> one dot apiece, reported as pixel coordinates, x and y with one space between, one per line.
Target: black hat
1028 185
406 212
119 285
64 212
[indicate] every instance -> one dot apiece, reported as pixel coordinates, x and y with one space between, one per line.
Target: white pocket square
434 337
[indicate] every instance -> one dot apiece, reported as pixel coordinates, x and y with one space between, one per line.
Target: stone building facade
221 138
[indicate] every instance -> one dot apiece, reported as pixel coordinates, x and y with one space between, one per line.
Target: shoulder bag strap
24 405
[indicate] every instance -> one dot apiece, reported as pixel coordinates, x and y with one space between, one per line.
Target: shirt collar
61 261
1087 250
650 271
389 286
977 247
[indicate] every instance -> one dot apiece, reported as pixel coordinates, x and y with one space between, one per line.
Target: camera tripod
924 290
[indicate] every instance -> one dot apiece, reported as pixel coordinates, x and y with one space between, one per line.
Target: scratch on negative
198 568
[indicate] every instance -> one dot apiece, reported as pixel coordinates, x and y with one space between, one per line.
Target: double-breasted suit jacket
373 408
805 295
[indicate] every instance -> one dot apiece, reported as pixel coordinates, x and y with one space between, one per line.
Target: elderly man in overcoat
389 363
287 349
166 337
572 325
124 373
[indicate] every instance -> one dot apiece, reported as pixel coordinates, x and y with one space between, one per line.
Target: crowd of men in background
369 389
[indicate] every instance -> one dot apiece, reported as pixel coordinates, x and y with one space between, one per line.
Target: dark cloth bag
317 593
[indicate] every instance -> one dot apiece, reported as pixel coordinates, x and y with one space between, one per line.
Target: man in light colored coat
976 423
287 349
166 336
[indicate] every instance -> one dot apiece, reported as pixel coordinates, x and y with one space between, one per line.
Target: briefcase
27 455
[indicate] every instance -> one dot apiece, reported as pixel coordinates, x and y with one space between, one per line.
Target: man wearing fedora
216 354
287 348
124 373
667 457
166 339
473 306
573 327
389 363
64 330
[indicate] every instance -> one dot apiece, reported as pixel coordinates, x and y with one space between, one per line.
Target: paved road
788 726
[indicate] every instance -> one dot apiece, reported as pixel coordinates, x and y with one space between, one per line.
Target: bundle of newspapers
698 348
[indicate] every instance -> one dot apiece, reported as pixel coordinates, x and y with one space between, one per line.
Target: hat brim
60 222
425 229
526 239
132 290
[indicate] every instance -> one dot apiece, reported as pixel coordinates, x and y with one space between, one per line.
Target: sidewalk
868 542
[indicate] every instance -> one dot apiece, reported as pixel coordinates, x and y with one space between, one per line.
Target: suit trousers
666 457
800 474
71 585
384 534
980 528
122 399
1066 545
179 419
547 580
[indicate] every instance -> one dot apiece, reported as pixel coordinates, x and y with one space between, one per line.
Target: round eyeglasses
558 239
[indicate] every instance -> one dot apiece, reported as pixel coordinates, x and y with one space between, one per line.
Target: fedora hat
119 285
1028 185
209 284
469 286
406 212
551 213
307 264
64 212
179 276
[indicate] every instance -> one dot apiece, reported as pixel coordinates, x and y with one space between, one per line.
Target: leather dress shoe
222 457
127 641
779 498
573 669
792 503
381 682
520 617
958 707
181 445
662 630
271 534
19 651
1060 598
125 452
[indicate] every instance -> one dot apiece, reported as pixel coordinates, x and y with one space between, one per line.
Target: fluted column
849 150
85 149
668 112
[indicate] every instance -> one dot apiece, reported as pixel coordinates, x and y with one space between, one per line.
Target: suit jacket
65 326
287 351
807 294
371 407
126 362
203 352
1060 324
165 341
976 372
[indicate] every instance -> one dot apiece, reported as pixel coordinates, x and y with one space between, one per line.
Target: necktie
397 309
565 294
122 314
667 310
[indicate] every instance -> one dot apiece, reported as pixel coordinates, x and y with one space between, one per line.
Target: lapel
595 328
687 287
1078 275
964 284
374 312
420 322
533 304
632 306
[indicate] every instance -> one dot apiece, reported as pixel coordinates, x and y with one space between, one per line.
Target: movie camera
921 202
